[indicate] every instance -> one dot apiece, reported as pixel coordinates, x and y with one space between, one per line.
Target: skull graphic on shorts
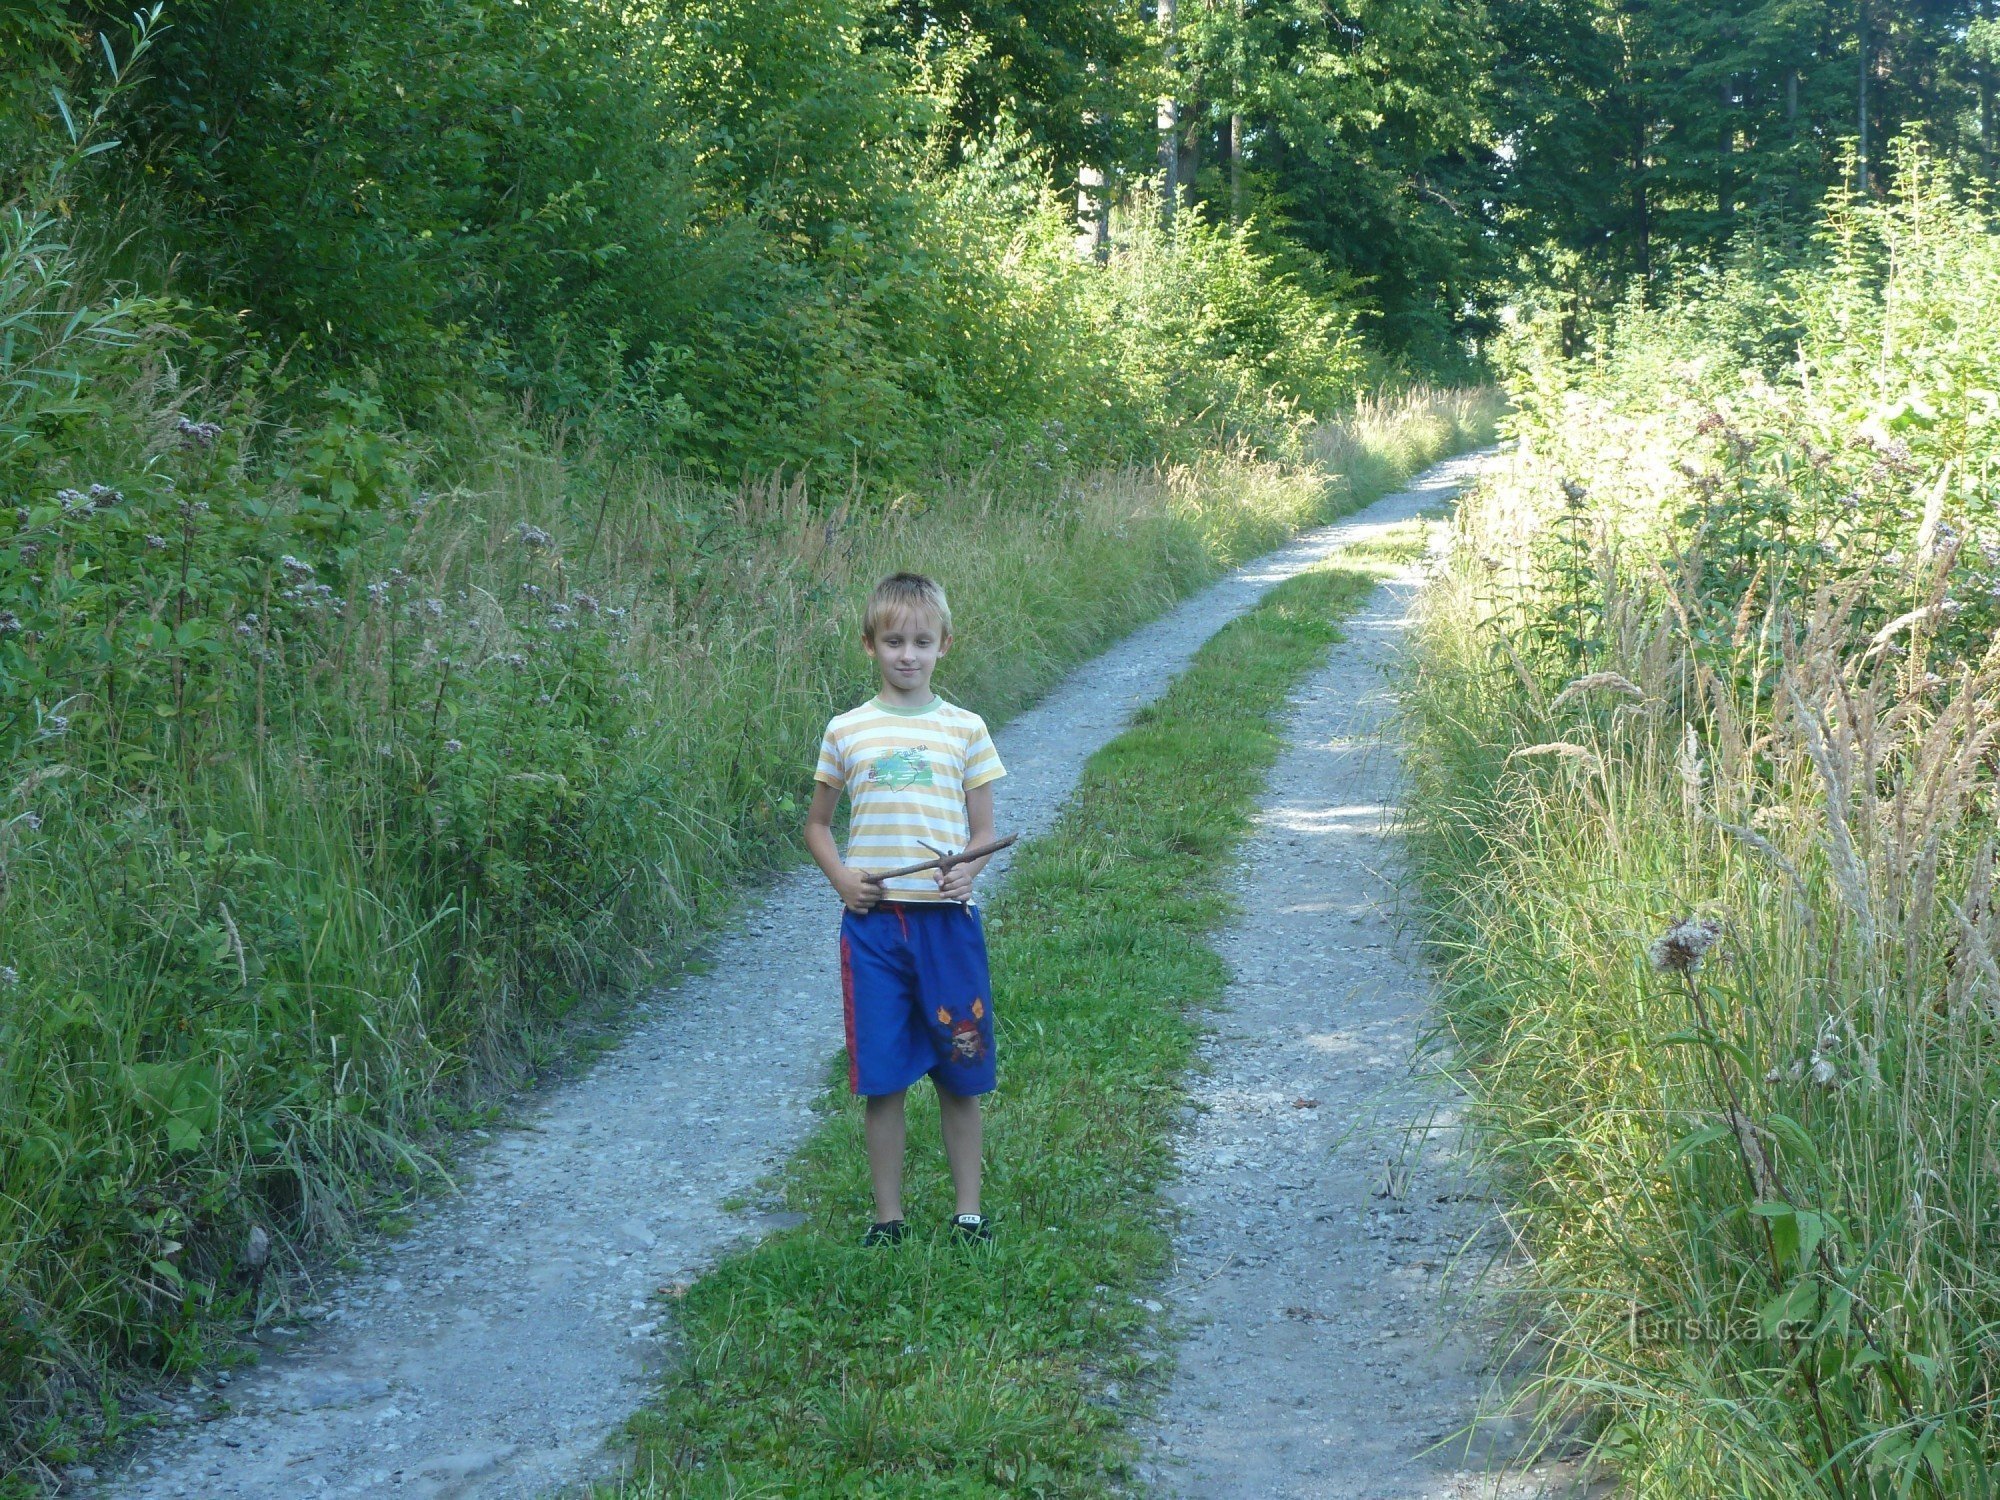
967 1045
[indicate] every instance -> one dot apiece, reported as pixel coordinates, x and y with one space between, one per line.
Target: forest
444 441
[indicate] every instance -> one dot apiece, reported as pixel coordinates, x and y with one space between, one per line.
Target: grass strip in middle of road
812 1366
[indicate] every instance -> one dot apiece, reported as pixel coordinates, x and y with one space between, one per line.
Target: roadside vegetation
809 1365
360 728
1706 712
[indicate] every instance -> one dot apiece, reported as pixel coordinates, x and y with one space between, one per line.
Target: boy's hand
857 895
955 884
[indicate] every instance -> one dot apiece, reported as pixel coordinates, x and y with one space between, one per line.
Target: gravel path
1322 1195
493 1349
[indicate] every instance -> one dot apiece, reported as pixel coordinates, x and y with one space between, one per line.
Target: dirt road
494 1348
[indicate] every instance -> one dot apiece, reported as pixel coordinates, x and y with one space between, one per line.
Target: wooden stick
944 862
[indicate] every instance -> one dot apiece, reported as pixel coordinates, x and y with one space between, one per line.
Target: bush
1715 670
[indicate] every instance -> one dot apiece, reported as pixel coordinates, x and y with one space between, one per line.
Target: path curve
494 1348
1323 1194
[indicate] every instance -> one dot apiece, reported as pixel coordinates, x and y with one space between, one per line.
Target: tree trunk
1641 208
1861 96
1986 103
1236 125
1725 183
1235 168
1169 122
1093 211
1192 141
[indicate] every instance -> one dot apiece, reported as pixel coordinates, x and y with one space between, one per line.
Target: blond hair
905 593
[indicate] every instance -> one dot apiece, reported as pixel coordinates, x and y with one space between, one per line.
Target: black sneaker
889 1232
971 1229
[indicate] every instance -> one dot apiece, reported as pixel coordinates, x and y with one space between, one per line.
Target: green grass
811 1367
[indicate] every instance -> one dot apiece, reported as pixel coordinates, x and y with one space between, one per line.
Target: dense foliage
1708 709
1639 137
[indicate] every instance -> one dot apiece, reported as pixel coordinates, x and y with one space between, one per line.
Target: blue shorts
918 1000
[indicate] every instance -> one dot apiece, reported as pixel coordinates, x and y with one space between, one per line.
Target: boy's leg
958 1118
884 1126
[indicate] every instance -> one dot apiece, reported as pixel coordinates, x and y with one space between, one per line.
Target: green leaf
168 1272
1794 1306
1784 1223
1694 1140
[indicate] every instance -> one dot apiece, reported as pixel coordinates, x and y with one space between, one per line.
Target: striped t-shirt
906 772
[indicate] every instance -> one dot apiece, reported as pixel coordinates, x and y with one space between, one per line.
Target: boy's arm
956 883
856 894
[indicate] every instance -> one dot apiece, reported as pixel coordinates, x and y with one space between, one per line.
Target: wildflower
514 659
452 747
22 513
10 623
245 629
9 975
557 607
103 497
377 592
155 542
197 434
532 536
616 612
190 509
587 603
1681 948
296 566
30 551
532 590
385 750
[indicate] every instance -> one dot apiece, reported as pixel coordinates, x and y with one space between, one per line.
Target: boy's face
906 649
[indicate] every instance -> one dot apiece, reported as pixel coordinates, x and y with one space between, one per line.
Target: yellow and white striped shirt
906 772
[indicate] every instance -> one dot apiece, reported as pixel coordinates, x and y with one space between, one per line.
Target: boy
919 774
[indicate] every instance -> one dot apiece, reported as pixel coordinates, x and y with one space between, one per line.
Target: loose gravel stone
493 1349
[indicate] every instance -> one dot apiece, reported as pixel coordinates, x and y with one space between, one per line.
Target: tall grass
286 891
1706 709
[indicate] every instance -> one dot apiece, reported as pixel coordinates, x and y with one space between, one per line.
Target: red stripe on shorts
847 1011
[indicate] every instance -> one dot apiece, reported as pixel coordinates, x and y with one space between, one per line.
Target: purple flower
197 434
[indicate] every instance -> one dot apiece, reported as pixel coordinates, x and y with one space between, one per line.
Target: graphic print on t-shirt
906 773
900 769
